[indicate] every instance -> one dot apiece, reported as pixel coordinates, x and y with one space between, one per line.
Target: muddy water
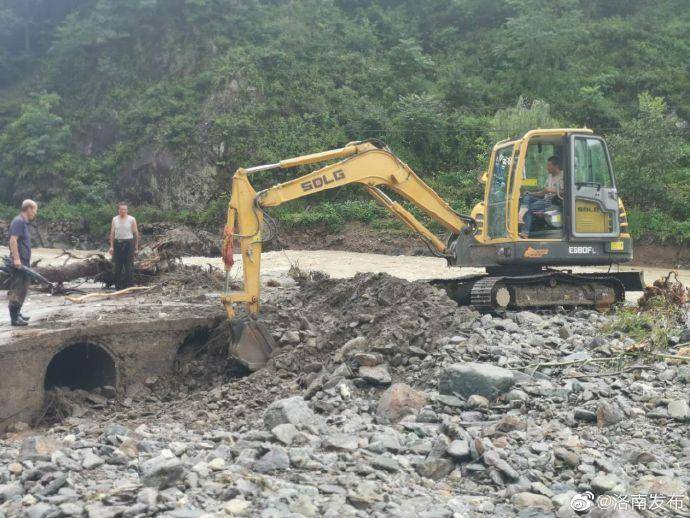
346 264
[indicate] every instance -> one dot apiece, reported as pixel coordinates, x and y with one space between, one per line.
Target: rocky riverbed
384 398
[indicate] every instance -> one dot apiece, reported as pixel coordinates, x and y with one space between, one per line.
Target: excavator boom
363 163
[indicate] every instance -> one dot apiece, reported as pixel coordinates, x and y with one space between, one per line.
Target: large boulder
293 410
398 401
471 378
162 472
38 448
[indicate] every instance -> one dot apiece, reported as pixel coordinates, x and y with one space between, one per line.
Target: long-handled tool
8 266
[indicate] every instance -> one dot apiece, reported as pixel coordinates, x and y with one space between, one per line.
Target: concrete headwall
139 350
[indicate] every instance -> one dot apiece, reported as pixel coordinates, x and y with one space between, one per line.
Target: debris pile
182 241
668 289
157 263
383 398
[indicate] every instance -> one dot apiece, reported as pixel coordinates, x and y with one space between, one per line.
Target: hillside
158 101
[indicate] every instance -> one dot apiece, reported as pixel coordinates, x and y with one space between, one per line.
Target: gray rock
582 414
608 414
285 433
386 463
388 440
91 461
290 338
275 459
341 441
10 491
527 317
71 509
684 336
604 483
356 344
54 485
517 395
99 510
292 410
466 379
459 449
378 375
37 448
679 410
491 458
527 500
577 356
39 510
148 496
136 511
435 468
162 472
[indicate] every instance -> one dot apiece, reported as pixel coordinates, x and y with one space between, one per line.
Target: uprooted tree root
671 290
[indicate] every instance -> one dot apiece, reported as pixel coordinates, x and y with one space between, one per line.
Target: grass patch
652 324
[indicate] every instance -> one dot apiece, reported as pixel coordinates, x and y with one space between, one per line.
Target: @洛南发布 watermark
651 502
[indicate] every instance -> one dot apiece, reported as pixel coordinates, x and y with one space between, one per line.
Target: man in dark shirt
20 250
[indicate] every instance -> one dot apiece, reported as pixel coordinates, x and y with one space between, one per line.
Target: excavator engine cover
251 343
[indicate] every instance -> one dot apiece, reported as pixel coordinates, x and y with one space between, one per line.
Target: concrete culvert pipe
81 366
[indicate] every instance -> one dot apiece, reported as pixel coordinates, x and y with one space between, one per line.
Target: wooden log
98 268
92 268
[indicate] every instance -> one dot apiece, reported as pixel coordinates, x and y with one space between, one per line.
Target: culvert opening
202 360
81 366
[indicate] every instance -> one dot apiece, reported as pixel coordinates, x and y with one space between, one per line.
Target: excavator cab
583 223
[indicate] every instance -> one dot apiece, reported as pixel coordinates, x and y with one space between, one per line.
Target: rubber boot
15 318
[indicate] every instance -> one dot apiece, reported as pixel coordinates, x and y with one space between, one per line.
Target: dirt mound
386 314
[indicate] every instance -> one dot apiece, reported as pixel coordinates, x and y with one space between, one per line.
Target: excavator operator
550 195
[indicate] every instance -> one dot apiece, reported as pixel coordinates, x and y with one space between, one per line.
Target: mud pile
389 313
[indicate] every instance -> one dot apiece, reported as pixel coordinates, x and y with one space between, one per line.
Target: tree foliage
31 145
155 92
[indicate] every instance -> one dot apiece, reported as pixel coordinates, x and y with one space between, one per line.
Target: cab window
496 207
591 165
535 173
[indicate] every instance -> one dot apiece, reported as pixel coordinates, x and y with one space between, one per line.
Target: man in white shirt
553 190
124 244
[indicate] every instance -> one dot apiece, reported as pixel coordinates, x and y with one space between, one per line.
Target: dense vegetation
158 101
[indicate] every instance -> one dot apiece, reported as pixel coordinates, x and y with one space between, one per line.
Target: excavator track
542 290
489 293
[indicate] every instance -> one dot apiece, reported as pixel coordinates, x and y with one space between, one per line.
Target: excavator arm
362 163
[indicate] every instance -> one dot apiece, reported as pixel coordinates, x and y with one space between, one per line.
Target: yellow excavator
581 222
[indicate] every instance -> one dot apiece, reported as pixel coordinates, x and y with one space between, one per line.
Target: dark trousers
18 288
123 262
534 204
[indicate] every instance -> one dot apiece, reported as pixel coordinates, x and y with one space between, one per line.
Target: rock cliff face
160 178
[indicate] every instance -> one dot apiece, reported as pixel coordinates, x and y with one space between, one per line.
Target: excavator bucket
251 343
